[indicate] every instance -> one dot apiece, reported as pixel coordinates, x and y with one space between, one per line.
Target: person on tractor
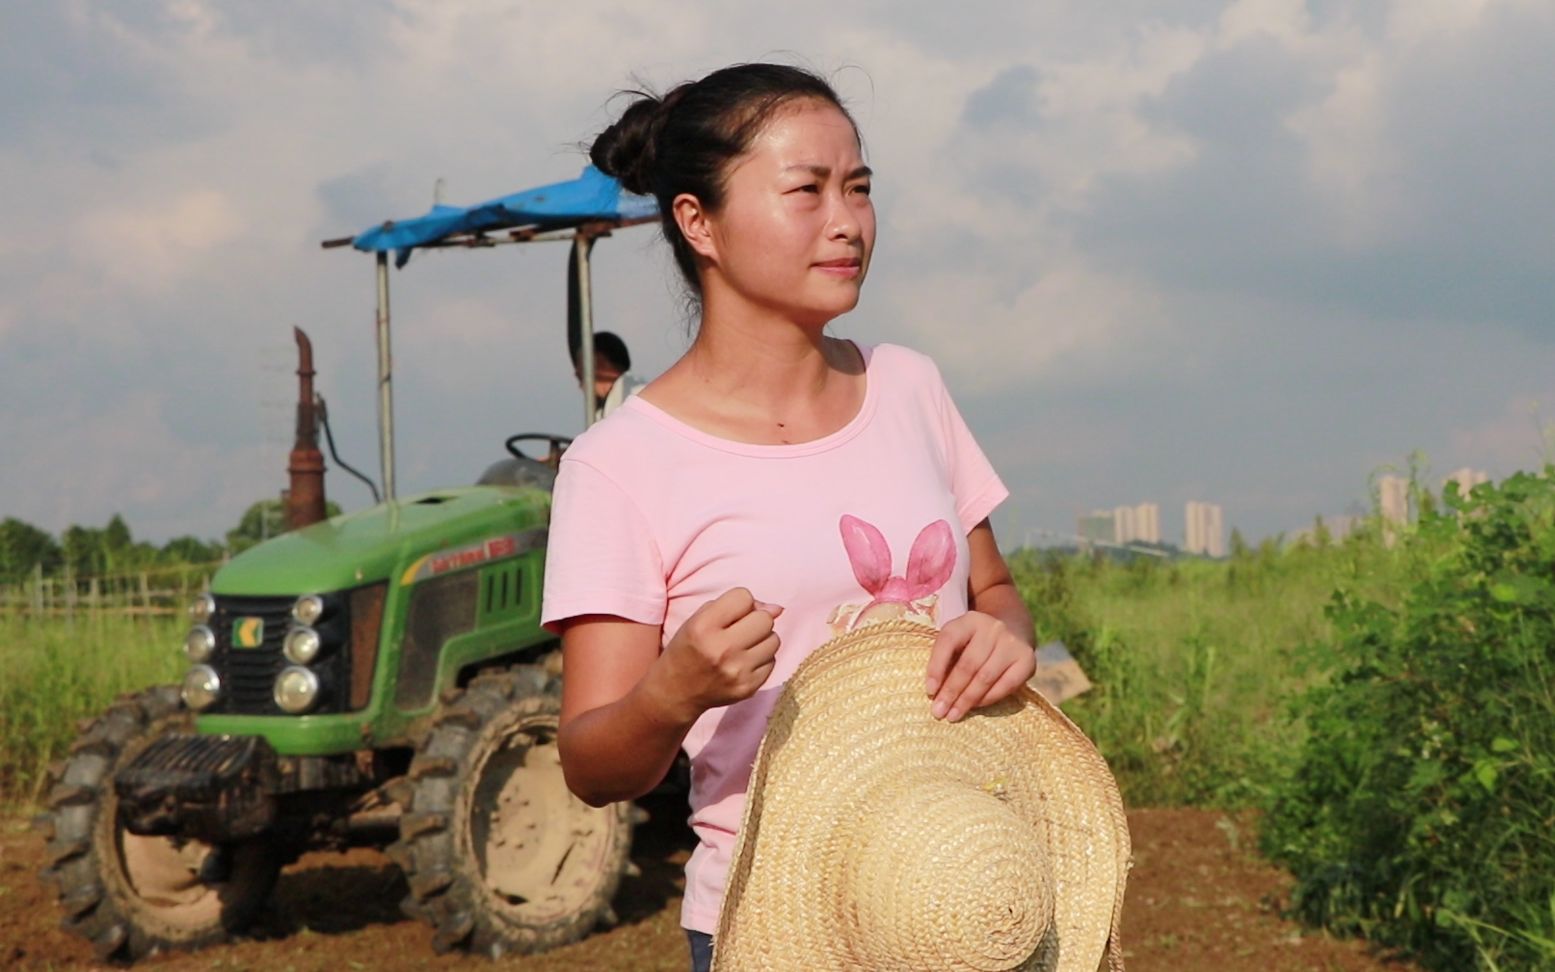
613 380
775 486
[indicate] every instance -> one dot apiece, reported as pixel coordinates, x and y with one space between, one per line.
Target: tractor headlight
202 609
301 646
296 689
308 609
201 688
199 643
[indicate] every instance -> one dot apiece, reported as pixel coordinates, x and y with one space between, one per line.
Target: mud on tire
498 854
130 895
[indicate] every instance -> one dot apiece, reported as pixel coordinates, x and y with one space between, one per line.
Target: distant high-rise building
1140 523
1123 524
1340 527
1148 516
1206 532
1466 478
1096 525
1393 499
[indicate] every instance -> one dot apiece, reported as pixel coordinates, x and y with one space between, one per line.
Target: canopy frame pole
582 243
385 382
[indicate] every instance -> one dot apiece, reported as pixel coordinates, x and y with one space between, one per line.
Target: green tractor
376 679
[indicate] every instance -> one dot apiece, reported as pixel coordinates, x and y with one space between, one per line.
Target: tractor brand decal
496 548
248 632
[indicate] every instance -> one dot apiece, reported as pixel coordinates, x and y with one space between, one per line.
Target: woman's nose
843 223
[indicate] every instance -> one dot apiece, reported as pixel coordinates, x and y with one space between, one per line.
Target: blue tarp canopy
591 197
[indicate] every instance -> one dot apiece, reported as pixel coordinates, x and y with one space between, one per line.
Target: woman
775 486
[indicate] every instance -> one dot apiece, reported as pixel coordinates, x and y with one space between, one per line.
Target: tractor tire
500 857
129 895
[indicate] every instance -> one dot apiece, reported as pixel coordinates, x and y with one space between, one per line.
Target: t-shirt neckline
831 440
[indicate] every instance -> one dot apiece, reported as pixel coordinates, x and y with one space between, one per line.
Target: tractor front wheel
133 895
499 856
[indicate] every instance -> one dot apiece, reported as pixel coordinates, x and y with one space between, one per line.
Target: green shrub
1191 659
1420 810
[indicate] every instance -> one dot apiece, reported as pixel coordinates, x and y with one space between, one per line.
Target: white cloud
1286 20
1074 199
1070 324
153 246
1082 122
1352 164
1412 21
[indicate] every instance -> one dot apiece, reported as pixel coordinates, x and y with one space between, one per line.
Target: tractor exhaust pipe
305 497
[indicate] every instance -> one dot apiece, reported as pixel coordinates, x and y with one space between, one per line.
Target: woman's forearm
991 588
621 750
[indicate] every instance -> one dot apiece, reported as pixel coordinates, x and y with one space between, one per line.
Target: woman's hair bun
625 150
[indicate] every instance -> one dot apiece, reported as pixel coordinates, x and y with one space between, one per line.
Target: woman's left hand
977 660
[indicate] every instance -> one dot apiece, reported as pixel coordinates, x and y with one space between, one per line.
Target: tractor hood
368 545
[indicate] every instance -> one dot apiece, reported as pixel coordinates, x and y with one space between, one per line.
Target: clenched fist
722 654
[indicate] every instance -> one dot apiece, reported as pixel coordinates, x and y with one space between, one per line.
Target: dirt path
1197 900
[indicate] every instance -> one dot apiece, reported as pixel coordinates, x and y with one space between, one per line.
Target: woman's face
797 226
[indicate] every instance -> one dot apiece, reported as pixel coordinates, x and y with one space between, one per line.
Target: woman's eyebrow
822 171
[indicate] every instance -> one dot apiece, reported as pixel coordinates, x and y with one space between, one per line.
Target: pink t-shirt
653 518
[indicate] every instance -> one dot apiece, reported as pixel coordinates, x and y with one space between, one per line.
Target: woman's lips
849 267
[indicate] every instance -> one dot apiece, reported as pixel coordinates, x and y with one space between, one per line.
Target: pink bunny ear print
932 559
868 552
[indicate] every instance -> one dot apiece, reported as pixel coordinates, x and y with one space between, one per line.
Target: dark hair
609 344
685 141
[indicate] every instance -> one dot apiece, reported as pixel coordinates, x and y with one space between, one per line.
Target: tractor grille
248 674
248 670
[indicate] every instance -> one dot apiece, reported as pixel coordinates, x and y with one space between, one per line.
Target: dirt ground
1198 899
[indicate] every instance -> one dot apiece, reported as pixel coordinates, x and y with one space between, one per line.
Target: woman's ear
694 225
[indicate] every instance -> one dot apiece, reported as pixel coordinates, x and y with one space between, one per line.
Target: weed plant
1193 660
1421 810
55 671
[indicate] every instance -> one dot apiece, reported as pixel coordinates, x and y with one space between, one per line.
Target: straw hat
878 837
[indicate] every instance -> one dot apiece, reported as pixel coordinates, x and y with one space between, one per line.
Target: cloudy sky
1163 250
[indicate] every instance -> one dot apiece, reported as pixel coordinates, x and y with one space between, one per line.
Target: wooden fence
155 590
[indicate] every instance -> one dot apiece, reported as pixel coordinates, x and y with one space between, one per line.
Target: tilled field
1198 899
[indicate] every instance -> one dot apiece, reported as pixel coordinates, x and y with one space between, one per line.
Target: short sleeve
977 488
601 557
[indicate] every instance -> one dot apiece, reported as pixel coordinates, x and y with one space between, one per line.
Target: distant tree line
112 549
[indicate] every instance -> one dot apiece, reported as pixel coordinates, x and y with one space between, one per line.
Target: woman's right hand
722 654
627 705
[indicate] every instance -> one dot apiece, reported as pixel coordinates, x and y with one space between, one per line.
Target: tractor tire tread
71 795
401 790
426 766
459 719
77 858
444 888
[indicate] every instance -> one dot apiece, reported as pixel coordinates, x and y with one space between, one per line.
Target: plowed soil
1198 899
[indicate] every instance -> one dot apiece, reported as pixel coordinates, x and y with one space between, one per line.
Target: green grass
1194 661
55 671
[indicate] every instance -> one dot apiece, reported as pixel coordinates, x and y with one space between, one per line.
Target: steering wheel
554 443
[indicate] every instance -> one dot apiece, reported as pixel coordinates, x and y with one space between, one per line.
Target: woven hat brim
855 711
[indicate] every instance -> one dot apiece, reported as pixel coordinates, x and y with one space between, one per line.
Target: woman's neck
754 378
761 362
